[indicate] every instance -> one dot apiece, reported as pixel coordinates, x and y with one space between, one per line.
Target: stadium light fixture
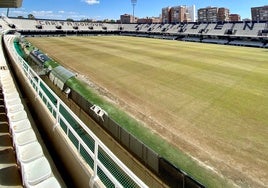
133 2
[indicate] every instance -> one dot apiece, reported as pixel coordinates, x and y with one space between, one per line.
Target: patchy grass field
210 101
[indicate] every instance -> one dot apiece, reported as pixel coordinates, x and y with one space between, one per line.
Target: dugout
59 76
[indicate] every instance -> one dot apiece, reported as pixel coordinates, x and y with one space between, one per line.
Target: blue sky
112 9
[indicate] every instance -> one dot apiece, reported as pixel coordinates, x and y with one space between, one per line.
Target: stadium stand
155 27
34 166
215 41
24 24
175 28
128 27
194 28
247 43
191 29
220 29
164 28
249 33
192 39
248 29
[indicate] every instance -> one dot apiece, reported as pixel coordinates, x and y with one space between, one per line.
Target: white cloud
91 2
19 12
47 14
42 13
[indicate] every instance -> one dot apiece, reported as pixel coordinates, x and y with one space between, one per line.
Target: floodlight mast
133 2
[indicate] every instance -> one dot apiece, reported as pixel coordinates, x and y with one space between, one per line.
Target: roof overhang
10 3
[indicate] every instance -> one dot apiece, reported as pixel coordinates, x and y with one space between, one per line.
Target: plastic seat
50 182
14 108
5 73
24 137
29 152
8 86
17 116
7 81
20 126
36 171
12 102
6 77
11 95
9 90
11 98
2 109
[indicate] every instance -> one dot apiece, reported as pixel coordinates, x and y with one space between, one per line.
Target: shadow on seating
5 140
4 128
7 156
3 118
6 173
2 109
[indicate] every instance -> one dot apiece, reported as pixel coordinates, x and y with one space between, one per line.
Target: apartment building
127 18
223 14
166 17
259 13
148 20
234 17
177 14
213 14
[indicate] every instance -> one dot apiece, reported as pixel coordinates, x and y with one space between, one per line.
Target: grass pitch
210 101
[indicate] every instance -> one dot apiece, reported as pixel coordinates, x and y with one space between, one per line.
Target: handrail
55 109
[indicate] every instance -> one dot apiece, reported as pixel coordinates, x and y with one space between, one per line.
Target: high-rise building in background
234 17
178 14
259 13
184 13
213 14
208 14
127 18
190 13
148 20
166 15
223 14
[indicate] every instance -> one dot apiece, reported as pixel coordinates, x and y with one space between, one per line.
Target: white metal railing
123 175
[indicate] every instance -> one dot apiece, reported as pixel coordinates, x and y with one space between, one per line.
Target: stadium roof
10 3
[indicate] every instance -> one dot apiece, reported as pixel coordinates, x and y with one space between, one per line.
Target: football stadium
87 104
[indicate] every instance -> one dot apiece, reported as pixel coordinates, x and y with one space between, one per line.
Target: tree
30 16
69 20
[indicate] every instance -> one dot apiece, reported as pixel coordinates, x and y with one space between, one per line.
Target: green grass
212 99
156 143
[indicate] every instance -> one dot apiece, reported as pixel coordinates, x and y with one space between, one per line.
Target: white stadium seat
29 152
50 182
36 171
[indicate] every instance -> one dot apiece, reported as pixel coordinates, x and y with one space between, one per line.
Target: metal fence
105 165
